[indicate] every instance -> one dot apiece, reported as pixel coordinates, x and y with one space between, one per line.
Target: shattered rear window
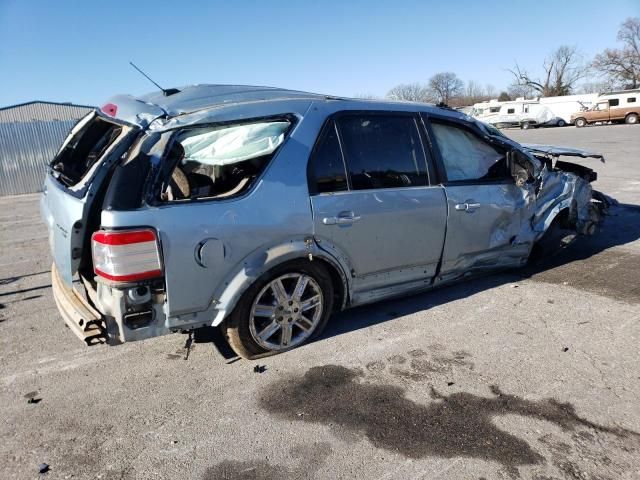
84 150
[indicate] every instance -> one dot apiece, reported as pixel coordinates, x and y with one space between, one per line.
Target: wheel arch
260 262
560 212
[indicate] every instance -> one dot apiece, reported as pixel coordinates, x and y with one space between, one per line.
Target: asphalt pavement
527 374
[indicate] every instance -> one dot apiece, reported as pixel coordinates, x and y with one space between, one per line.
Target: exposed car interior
81 155
220 162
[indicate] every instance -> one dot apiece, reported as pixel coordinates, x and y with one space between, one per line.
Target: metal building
30 135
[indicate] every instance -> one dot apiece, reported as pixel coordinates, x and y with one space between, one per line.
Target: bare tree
525 91
597 87
444 86
409 92
489 91
474 91
622 66
562 70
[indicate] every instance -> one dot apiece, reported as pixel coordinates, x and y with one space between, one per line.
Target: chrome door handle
467 207
347 220
341 219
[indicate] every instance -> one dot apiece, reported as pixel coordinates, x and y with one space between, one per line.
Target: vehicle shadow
8 280
621 226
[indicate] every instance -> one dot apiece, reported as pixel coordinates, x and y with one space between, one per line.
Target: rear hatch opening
75 187
78 158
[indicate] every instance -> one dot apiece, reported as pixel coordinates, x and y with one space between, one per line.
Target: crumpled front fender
560 191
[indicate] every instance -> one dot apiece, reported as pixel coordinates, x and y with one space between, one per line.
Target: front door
600 113
486 208
372 203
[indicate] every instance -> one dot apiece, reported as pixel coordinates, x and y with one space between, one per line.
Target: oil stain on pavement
455 425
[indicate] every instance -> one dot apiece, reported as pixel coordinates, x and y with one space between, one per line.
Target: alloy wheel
286 311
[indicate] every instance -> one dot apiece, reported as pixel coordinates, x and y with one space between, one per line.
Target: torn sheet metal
555 151
561 190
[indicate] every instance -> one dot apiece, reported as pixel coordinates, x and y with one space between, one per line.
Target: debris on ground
43 468
32 397
187 345
565 349
259 369
450 384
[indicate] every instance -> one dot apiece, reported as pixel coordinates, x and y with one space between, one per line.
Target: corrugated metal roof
30 136
45 111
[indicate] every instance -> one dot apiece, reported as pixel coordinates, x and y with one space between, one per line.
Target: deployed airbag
231 144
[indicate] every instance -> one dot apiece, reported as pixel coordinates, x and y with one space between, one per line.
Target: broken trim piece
558 151
82 319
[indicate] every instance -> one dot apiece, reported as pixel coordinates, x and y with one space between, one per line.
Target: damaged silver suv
262 210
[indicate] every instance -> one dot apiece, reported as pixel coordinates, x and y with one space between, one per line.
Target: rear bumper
83 320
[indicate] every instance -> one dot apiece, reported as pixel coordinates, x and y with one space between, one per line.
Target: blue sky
79 51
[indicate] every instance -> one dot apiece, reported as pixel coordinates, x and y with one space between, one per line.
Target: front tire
561 123
285 308
581 122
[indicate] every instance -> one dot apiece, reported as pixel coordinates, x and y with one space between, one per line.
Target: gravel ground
527 374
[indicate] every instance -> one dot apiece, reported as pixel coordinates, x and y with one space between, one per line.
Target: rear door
486 208
372 201
72 184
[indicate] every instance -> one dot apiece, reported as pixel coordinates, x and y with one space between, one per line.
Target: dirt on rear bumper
83 320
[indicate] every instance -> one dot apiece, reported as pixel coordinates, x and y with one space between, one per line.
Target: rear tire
561 123
271 317
631 119
525 126
581 122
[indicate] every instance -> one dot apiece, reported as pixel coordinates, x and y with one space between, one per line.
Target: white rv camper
536 112
514 113
563 107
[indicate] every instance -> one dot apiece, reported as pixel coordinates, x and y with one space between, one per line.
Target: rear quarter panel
276 211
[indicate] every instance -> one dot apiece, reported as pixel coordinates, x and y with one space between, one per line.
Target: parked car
262 210
615 107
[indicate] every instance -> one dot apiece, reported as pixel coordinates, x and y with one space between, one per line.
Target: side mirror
520 167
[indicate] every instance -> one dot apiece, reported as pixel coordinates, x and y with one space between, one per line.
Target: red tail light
109 109
126 255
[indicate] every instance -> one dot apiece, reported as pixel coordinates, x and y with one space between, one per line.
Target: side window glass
382 151
614 102
326 168
221 161
467 157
